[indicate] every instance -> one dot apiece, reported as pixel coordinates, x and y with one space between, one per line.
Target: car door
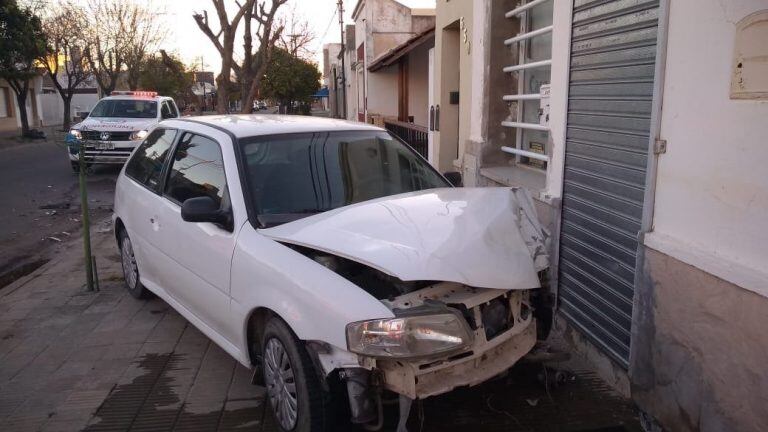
139 199
200 253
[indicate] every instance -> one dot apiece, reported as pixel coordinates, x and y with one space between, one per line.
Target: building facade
382 26
10 122
657 209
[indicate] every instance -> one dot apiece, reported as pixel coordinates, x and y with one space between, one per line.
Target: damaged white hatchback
332 259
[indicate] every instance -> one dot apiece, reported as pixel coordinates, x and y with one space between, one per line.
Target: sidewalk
72 360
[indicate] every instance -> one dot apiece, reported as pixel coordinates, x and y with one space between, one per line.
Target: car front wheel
131 268
295 395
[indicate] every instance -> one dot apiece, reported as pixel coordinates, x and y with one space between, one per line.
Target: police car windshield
125 108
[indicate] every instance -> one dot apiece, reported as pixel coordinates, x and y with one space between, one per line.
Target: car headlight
138 135
409 336
76 134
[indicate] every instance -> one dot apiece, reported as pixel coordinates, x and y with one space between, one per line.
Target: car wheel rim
130 270
281 384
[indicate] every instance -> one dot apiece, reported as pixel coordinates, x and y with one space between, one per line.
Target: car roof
248 125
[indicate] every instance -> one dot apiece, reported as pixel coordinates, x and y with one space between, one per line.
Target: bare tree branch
64 28
224 41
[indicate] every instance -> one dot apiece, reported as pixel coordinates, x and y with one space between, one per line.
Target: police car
116 125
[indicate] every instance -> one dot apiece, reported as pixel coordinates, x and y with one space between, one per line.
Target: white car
116 125
330 256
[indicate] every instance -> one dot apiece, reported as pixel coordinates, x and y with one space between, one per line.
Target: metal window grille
522 43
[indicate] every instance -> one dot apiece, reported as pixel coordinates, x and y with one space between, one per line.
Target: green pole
85 217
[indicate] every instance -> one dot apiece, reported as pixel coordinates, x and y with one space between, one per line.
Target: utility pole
202 82
343 62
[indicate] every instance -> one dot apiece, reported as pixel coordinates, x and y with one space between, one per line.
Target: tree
145 35
167 75
63 59
290 79
21 43
255 64
297 36
224 41
105 53
120 35
250 72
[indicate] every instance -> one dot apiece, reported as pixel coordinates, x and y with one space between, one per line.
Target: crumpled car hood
481 237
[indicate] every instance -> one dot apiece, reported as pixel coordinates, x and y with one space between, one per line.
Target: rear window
125 108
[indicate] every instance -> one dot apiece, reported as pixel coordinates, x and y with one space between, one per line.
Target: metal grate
613 53
113 136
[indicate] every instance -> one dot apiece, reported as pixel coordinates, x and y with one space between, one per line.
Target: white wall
558 103
711 207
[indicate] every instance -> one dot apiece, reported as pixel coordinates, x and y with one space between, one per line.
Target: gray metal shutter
613 54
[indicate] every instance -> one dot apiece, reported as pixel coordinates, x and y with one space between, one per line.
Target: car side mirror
453 178
165 114
84 114
205 209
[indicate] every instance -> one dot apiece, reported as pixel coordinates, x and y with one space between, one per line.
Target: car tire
131 268
297 400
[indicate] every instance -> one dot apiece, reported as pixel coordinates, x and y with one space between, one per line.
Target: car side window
197 170
147 161
174 110
166 110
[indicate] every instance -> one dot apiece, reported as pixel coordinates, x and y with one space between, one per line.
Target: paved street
41 204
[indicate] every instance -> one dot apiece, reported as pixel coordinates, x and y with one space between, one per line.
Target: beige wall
454 73
708 351
418 82
382 92
12 123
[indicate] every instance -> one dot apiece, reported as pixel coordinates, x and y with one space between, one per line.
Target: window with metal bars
533 46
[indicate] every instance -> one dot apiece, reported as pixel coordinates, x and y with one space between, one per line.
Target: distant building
332 79
10 122
85 97
204 76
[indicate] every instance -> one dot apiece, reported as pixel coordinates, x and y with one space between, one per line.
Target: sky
186 39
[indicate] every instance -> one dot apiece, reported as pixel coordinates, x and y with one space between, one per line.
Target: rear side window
169 110
197 170
147 161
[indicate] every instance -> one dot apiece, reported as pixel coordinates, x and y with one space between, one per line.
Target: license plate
105 146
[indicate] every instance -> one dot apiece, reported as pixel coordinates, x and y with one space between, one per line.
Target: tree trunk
222 94
21 100
67 121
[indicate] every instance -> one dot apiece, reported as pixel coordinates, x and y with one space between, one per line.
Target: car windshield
296 175
125 108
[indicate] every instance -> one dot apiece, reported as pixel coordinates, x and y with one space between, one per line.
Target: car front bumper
118 154
488 355
421 379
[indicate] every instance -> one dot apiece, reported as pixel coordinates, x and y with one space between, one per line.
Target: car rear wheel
295 395
131 268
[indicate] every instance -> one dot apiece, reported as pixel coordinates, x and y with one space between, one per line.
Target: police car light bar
134 93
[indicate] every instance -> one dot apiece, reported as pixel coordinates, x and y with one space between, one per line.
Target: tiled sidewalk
72 360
